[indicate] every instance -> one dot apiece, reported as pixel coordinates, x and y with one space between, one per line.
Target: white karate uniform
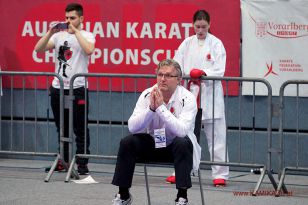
211 58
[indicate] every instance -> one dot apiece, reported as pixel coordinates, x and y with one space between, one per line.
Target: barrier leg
270 176
71 171
259 182
52 168
281 184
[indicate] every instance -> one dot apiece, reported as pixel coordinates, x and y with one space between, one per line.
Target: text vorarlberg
112 30
288 30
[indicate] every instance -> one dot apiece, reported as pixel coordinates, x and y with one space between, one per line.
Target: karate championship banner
132 36
275 43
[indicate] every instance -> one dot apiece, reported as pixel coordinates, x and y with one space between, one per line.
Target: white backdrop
275 43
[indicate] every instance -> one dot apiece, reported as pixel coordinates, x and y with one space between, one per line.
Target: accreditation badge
160 138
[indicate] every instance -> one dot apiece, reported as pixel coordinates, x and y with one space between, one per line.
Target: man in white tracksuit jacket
162 127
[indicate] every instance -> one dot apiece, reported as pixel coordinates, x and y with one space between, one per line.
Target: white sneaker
118 201
182 201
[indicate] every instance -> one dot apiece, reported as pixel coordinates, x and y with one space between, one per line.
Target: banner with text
131 36
275 43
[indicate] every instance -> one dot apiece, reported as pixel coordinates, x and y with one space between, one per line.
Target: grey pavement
22 182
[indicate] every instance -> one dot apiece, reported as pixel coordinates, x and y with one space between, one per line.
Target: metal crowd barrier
105 100
246 117
114 101
112 127
300 122
25 108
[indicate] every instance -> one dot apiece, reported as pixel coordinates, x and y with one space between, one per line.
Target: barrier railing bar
0 110
47 120
97 113
110 103
254 122
35 113
122 103
28 153
282 174
297 125
86 116
213 118
226 114
12 102
23 114
240 121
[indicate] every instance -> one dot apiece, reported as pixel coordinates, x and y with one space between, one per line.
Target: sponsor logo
284 65
270 70
260 29
279 30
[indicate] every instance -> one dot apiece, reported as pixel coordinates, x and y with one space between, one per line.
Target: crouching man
162 127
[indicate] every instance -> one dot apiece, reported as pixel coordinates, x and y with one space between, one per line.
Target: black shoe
59 167
83 169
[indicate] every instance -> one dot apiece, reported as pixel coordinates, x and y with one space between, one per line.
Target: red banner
131 36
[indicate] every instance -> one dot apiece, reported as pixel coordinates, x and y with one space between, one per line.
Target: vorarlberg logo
279 30
260 29
270 70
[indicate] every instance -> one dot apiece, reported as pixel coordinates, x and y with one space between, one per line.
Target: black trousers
79 122
141 148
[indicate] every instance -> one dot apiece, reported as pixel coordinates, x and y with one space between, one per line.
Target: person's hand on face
74 21
72 28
